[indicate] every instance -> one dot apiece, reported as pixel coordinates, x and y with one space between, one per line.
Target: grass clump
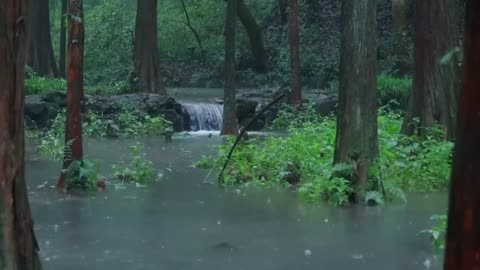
404 163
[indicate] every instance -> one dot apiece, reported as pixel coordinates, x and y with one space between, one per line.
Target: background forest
109 43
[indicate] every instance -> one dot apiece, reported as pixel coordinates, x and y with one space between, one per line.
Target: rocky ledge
40 110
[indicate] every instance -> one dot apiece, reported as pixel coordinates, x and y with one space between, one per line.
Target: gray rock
39 113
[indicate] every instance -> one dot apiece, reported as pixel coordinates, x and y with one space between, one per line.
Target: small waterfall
204 116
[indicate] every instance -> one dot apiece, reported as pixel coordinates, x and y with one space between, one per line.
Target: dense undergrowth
405 163
85 174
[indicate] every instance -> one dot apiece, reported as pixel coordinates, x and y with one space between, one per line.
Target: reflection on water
183 223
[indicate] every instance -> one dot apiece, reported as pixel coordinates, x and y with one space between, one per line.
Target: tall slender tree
255 35
18 245
230 122
295 81
463 236
357 139
400 39
63 39
435 85
73 129
40 53
147 60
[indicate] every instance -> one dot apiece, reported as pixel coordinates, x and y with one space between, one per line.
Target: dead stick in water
244 129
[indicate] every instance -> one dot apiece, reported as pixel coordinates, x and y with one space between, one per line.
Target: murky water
182 222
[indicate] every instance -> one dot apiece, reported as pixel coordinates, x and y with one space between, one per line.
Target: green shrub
138 170
404 163
438 232
82 175
125 124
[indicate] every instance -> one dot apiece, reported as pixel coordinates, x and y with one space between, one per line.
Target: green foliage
413 163
295 117
404 163
82 175
127 123
391 90
138 170
438 232
37 85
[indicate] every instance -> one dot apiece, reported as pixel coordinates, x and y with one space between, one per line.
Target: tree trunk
295 81
230 123
282 11
435 85
400 39
357 139
40 54
147 60
63 39
463 236
255 35
73 128
18 246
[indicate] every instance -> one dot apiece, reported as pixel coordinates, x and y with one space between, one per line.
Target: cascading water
204 116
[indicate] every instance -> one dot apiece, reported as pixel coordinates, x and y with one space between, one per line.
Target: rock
56 97
324 105
39 112
245 108
102 105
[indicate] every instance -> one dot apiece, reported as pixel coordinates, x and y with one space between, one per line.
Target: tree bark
73 128
295 80
356 138
40 56
463 237
63 39
18 246
435 86
147 60
255 36
230 123
400 39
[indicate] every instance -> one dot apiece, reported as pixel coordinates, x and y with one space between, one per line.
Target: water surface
184 222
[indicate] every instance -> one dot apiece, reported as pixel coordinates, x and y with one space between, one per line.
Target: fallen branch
242 132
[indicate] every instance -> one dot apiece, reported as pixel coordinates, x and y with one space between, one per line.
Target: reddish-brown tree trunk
40 56
295 81
147 60
230 122
255 35
73 129
463 233
18 247
63 39
435 85
357 139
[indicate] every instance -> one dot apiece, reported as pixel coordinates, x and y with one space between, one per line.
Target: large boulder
245 108
325 104
39 113
58 98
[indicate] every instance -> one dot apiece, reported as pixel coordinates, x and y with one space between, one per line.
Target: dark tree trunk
147 60
282 11
400 38
357 139
295 81
435 85
255 35
73 129
463 235
40 54
18 246
63 39
230 124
